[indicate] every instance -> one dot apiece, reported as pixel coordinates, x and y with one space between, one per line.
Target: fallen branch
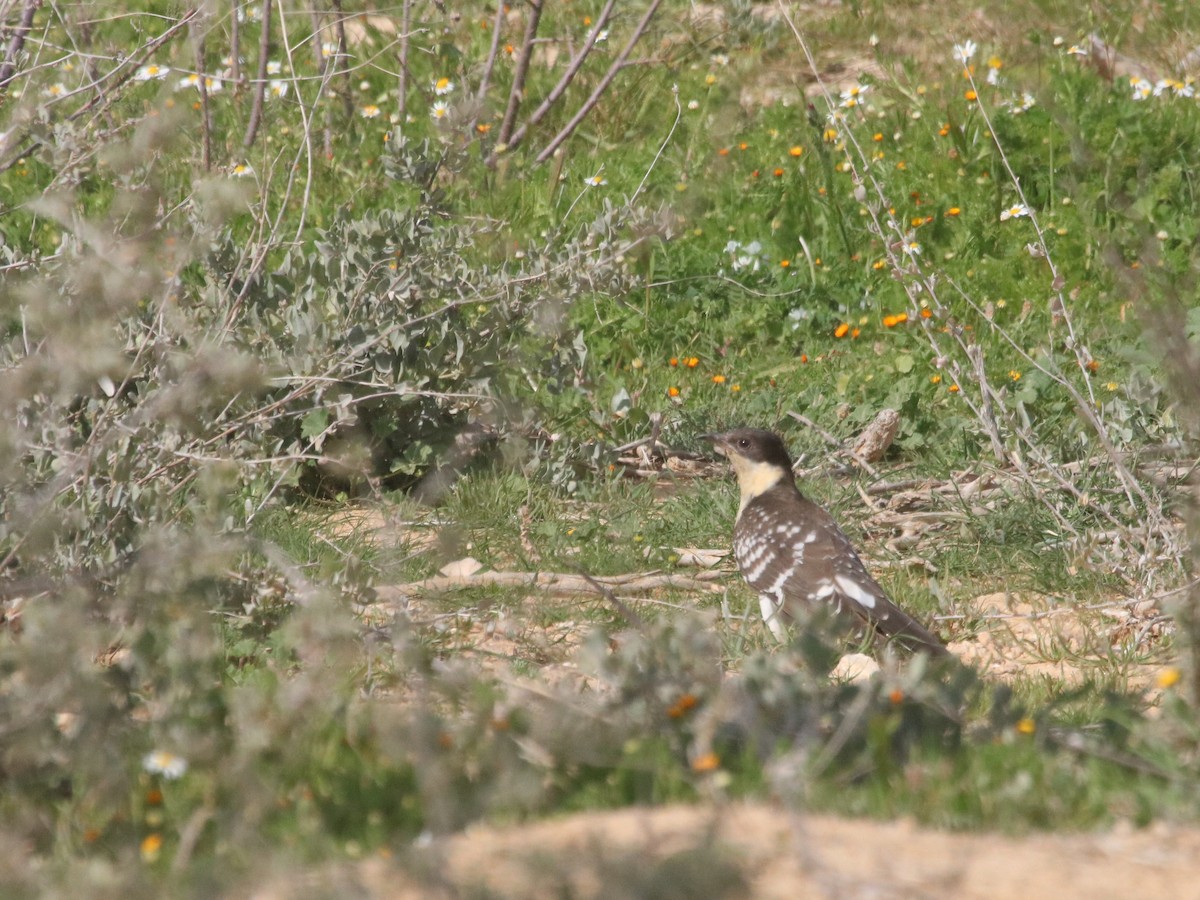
621 606
553 583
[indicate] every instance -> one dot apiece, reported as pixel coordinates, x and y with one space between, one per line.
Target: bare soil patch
782 855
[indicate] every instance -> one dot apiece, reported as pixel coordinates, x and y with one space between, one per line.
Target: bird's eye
744 443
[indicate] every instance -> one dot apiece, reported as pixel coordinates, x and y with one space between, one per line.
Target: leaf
904 364
314 423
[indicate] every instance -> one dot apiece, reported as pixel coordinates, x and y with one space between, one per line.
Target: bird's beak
718 442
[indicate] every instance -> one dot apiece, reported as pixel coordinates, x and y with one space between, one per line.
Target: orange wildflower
151 845
706 762
681 706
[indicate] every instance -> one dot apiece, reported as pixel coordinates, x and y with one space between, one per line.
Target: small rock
855 668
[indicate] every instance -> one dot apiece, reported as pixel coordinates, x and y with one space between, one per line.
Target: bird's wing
802 556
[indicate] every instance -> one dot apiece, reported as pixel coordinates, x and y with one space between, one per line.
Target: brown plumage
793 553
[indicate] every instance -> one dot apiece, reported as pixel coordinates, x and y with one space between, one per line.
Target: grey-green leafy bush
162 382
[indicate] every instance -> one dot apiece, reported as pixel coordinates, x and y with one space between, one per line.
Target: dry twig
554 582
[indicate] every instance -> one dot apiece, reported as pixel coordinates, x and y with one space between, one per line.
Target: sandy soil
761 851
695 851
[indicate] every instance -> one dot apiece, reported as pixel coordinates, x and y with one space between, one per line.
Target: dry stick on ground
650 440
564 82
620 605
520 74
591 101
9 67
260 81
554 582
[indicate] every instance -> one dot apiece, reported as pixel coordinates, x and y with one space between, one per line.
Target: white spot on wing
777 585
821 591
855 591
752 575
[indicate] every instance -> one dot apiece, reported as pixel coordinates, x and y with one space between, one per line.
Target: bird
792 552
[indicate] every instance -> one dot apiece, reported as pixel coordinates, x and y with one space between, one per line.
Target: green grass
298 346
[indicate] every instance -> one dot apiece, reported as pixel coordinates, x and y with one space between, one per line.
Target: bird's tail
897 625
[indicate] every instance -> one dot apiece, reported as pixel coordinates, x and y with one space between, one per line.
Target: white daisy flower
1026 103
964 51
212 85
151 72
1142 89
852 96
164 763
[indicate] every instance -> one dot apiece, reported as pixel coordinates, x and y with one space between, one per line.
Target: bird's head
758 457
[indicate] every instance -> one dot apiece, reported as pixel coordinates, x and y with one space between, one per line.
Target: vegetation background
353 361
